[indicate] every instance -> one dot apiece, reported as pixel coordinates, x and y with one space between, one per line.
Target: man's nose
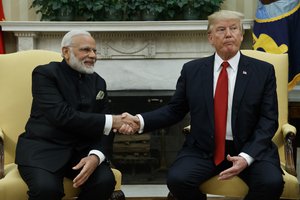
228 32
92 53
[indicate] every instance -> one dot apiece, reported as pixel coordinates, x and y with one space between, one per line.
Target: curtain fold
277 29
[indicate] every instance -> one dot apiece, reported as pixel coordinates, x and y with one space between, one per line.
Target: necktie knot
225 64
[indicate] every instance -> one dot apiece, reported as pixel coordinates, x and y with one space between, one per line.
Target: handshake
126 123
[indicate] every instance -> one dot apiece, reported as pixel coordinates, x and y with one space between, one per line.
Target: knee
110 182
106 182
100 185
274 184
267 188
177 180
174 178
46 190
182 186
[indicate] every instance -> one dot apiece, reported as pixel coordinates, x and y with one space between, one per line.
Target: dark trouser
189 170
45 185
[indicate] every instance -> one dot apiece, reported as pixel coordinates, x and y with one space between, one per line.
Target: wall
155 51
19 10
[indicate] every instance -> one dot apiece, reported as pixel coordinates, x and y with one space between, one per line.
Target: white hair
224 15
67 39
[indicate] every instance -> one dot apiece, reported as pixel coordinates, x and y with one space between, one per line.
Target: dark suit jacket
254 108
65 117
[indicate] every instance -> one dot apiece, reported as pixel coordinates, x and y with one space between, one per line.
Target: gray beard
80 66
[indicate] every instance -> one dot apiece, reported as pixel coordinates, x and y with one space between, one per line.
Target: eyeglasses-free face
226 36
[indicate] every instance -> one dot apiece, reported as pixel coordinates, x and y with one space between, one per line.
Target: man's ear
242 38
66 52
210 38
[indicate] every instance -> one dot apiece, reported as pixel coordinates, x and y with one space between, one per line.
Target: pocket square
100 95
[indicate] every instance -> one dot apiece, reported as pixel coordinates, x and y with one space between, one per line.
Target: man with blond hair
232 102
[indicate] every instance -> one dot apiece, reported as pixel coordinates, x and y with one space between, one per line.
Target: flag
277 30
2 18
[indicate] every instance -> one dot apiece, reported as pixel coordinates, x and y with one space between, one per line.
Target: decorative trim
111 26
26 34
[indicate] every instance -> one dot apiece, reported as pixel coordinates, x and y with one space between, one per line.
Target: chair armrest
289 135
1 154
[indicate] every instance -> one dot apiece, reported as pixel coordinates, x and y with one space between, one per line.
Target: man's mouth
89 64
229 43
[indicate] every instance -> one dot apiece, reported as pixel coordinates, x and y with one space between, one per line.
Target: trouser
189 170
45 185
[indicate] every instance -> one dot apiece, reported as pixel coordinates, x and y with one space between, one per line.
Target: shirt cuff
99 154
142 123
248 158
108 124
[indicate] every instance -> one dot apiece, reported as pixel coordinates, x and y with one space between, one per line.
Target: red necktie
220 107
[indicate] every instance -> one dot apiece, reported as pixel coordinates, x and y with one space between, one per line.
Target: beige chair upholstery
236 187
15 104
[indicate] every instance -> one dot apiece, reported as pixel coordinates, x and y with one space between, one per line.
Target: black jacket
66 117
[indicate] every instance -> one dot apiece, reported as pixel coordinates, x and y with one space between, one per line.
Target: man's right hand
126 123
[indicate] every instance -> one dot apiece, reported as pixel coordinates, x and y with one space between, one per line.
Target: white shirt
232 70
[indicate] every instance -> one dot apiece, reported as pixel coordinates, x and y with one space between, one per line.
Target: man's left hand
87 165
238 165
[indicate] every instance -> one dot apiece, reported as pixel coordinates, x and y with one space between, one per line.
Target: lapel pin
244 72
100 95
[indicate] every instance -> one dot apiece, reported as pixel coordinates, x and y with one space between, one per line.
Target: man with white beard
67 134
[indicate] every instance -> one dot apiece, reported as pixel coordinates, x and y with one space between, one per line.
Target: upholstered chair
235 187
15 104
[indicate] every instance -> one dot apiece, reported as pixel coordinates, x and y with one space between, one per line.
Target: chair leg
117 195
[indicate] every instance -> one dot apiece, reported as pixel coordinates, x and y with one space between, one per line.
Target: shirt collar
233 62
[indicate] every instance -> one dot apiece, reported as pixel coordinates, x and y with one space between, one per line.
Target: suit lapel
243 75
207 86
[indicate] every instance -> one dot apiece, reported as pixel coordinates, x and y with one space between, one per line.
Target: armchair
15 103
283 138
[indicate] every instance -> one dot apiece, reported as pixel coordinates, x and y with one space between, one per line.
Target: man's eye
220 30
88 50
234 28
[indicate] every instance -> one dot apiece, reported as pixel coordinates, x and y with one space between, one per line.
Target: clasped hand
126 123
